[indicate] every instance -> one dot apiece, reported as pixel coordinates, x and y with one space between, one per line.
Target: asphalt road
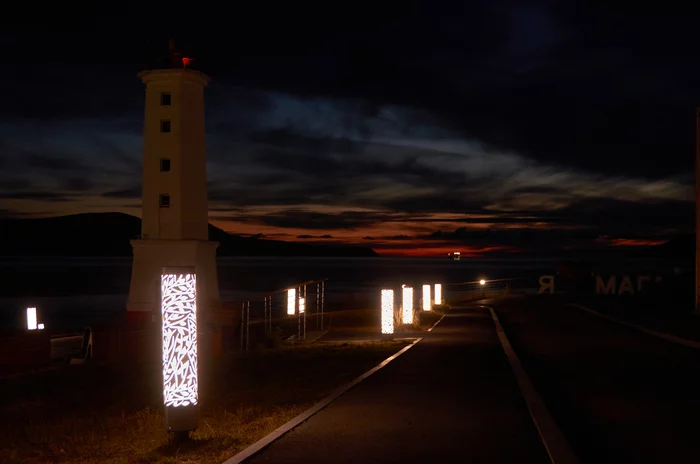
617 394
450 398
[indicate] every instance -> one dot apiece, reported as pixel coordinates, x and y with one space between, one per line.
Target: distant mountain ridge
109 234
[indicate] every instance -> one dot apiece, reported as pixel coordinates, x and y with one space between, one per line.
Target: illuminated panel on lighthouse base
179 336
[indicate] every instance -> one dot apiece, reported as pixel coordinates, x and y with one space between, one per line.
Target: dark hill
108 234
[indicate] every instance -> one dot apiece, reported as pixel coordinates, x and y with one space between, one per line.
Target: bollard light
302 305
291 298
426 298
387 311
179 336
407 305
438 294
31 319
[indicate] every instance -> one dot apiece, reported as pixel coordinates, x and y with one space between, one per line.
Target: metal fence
284 312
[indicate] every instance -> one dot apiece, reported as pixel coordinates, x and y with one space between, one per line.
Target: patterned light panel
179 311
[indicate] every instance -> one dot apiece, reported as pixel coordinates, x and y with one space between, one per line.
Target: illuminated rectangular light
407 305
387 311
302 305
40 326
31 319
438 294
426 298
179 311
291 298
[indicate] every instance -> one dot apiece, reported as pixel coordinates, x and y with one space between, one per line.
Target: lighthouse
174 213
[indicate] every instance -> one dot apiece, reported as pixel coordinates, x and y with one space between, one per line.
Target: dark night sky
413 129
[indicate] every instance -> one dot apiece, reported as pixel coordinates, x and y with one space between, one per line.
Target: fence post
318 304
247 327
323 296
242 322
305 311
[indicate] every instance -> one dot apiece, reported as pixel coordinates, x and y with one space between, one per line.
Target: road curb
552 438
436 323
663 335
276 434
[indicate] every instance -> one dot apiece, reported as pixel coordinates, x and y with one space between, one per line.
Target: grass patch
113 413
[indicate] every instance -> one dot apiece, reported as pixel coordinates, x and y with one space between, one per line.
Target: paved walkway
450 398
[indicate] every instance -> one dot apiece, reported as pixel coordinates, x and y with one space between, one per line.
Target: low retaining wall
26 348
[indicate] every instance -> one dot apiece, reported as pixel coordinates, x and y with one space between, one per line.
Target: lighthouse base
151 256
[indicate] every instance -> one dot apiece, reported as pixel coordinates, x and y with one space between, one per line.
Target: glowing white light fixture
179 315
302 305
438 294
387 311
407 305
31 319
291 299
40 326
482 282
426 298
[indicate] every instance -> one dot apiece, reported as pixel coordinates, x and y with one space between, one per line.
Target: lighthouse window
165 98
164 201
165 125
164 165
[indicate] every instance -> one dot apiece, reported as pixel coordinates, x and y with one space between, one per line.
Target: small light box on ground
407 305
438 294
40 326
426 298
179 335
387 311
31 319
302 305
291 299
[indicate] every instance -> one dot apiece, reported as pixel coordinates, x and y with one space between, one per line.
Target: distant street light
407 305
31 319
291 301
426 298
387 311
482 282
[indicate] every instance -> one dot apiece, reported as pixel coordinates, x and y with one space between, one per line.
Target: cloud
56 163
35 195
133 191
78 184
310 220
15 184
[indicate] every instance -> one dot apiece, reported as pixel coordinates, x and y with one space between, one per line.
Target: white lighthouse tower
175 226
